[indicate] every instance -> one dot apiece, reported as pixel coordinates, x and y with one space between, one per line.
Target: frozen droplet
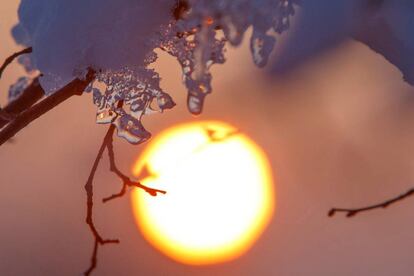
131 129
261 46
195 104
105 116
98 98
233 35
165 101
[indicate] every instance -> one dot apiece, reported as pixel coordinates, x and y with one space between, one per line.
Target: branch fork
126 182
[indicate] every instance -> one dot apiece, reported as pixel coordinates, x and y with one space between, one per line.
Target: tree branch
12 57
33 93
89 211
5 116
107 144
126 181
385 204
75 87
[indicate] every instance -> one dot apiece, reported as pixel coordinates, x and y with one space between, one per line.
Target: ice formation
117 39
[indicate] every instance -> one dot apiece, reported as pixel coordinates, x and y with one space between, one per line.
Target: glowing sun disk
220 193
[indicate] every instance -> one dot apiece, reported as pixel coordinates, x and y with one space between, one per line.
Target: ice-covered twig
75 87
385 204
12 57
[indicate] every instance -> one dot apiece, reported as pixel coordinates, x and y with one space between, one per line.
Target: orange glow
219 197
208 21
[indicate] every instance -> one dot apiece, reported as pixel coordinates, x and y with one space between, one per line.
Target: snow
386 27
16 90
67 35
117 38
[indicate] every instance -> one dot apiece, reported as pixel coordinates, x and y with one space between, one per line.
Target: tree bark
75 87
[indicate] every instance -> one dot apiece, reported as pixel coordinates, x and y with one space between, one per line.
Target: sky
338 131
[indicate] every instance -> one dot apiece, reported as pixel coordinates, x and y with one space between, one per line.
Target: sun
220 194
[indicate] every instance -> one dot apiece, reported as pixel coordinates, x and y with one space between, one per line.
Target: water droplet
261 47
131 129
105 116
195 104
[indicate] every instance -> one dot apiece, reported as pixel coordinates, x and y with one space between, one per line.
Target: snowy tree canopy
117 39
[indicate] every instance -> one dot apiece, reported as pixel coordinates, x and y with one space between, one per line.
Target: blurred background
337 129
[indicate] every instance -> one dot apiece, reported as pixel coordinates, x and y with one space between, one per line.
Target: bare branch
126 181
33 93
89 213
5 116
107 144
93 259
75 87
385 204
12 57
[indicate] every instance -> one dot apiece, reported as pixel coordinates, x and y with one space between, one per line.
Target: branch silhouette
33 93
12 57
25 109
98 240
9 113
75 87
126 181
89 203
354 211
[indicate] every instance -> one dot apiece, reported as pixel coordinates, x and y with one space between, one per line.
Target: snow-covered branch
28 97
119 43
75 87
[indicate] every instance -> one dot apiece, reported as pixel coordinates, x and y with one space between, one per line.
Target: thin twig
107 144
385 204
89 213
75 87
12 57
126 181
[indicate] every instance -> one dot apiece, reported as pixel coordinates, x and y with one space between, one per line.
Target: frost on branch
117 39
17 89
195 39
139 90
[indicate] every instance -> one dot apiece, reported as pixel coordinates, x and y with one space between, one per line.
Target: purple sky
339 131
